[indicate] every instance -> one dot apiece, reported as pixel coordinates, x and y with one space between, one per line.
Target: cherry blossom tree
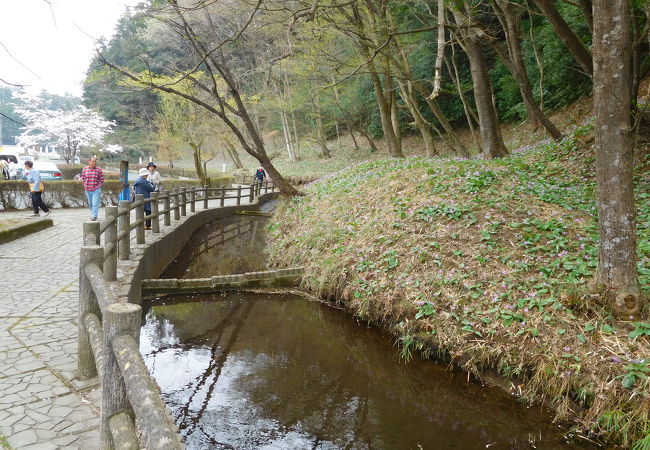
111 150
65 129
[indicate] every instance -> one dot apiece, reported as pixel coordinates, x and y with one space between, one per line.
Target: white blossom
65 129
113 149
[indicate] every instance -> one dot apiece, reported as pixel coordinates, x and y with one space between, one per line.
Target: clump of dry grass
485 262
6 223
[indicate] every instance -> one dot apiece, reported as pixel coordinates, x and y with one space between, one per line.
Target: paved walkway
42 405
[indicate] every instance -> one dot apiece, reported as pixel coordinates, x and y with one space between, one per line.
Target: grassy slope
484 261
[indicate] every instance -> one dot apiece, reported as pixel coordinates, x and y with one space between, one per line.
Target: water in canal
270 371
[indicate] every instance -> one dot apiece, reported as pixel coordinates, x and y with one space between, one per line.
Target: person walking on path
154 176
145 187
260 175
12 168
3 168
92 178
35 189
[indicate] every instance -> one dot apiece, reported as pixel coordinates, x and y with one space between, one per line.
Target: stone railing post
91 254
266 186
155 220
118 319
183 201
250 194
223 195
177 211
124 225
206 196
110 236
239 195
91 233
139 217
193 199
167 217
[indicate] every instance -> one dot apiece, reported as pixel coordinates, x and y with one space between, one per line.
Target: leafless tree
213 34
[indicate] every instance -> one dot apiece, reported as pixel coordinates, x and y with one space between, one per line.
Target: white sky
50 38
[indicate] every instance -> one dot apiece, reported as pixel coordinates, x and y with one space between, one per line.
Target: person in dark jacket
144 187
260 175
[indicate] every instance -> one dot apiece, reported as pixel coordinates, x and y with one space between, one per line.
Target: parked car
49 171
21 164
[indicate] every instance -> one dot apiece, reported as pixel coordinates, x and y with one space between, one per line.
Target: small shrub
14 194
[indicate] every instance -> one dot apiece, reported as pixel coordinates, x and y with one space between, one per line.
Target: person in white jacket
154 176
12 168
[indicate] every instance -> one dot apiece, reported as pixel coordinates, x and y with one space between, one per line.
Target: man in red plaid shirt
92 178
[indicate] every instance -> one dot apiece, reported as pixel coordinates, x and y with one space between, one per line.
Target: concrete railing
109 330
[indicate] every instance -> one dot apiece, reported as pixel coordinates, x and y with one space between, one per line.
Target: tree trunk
371 142
514 61
385 115
567 35
587 8
287 136
440 49
411 103
538 59
354 139
196 154
394 116
470 114
322 140
232 152
617 272
491 140
450 136
296 146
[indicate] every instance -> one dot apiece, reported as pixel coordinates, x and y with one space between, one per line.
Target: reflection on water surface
227 246
249 371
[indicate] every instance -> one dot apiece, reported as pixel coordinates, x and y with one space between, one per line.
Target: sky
48 44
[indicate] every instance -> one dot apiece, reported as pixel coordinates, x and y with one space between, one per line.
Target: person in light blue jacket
35 189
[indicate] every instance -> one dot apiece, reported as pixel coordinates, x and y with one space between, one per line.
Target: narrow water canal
249 371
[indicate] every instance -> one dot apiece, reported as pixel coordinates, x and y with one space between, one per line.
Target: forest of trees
219 76
310 70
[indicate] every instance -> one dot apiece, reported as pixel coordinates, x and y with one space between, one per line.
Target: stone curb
269 278
24 229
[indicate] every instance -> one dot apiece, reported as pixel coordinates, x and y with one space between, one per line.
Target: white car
49 171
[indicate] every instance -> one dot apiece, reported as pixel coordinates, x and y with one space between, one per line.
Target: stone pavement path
42 405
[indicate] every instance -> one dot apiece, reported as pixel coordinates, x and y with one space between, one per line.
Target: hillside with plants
486 264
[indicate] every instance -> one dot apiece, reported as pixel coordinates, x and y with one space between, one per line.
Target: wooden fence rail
109 331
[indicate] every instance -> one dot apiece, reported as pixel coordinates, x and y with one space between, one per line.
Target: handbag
32 187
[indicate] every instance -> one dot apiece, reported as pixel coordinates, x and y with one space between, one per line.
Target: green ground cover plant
487 263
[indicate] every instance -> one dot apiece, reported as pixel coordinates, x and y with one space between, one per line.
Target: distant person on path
92 178
145 187
260 175
3 168
35 189
12 168
154 176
